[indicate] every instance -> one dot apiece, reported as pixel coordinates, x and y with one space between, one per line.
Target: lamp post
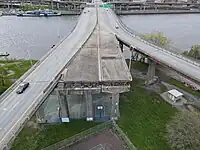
29 57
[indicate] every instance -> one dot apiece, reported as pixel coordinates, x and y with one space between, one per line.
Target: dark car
22 87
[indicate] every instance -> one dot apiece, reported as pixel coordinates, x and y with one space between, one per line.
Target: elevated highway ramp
176 62
15 109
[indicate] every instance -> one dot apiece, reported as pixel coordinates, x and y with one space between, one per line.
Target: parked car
22 87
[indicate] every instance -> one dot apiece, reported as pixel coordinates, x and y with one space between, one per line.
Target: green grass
35 139
182 86
143 67
19 67
144 116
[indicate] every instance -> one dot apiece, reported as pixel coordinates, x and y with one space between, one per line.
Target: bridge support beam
88 98
151 72
64 110
115 106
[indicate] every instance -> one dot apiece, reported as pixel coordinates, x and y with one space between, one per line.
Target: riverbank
14 12
11 70
154 12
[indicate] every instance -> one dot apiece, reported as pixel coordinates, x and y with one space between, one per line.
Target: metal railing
169 49
78 137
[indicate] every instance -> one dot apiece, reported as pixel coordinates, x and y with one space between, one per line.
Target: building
174 95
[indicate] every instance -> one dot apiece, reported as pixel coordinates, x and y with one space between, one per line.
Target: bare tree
184 131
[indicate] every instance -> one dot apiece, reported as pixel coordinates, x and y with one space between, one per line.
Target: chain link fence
79 137
66 143
122 135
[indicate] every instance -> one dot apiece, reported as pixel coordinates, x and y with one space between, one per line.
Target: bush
194 52
157 38
184 131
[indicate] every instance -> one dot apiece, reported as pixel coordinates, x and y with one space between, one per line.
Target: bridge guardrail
16 83
148 42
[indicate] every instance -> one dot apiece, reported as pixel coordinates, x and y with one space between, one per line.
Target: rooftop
175 93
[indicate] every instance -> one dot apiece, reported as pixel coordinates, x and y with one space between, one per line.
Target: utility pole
29 57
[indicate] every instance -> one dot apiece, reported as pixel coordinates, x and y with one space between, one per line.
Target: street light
29 57
58 29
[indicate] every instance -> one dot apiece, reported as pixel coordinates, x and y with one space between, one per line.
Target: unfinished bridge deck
100 59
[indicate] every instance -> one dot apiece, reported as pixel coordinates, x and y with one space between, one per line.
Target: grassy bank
10 70
182 86
144 116
35 139
143 67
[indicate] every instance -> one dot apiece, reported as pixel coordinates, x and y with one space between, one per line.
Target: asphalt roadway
15 108
110 19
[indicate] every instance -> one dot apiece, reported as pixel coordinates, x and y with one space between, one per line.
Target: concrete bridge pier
58 5
151 72
131 56
135 56
63 110
40 115
121 45
88 98
115 106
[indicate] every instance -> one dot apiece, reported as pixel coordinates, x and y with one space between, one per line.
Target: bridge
87 63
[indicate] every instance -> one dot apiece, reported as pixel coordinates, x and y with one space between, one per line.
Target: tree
184 131
195 51
158 38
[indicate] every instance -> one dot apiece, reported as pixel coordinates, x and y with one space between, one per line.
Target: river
25 37
32 37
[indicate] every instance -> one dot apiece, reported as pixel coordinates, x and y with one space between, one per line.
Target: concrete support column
131 56
121 46
151 72
135 56
40 116
89 108
58 5
115 106
64 111
52 4
74 7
